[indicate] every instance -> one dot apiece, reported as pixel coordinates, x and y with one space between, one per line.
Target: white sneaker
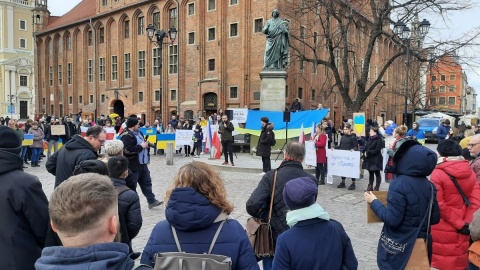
197 156
202 153
262 174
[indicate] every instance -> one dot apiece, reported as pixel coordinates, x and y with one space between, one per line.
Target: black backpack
273 142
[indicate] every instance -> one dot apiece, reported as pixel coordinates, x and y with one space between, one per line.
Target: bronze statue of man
276 51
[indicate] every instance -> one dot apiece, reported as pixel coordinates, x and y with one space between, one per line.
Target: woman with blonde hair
399 135
196 206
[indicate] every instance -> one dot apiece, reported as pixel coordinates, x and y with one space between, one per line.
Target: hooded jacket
407 205
193 217
449 246
373 160
62 163
24 214
104 256
264 146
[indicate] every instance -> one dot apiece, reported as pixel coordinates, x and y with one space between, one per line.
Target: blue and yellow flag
27 139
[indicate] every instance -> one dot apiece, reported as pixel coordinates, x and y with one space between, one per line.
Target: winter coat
193 217
449 246
48 134
390 129
226 132
442 132
38 136
407 205
198 137
320 145
373 159
314 244
129 212
131 149
264 146
259 202
24 215
348 142
418 134
476 168
63 162
70 130
104 256
398 142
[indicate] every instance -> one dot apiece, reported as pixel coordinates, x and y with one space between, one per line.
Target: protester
51 139
373 159
314 241
130 214
474 149
390 127
453 135
173 121
157 125
321 152
169 129
135 149
84 213
347 142
451 236
225 129
443 130
264 145
259 201
20 131
416 133
296 105
196 205
408 205
70 130
91 166
62 163
197 140
187 147
23 207
37 146
399 135
118 124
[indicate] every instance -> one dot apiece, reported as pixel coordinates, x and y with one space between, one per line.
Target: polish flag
216 145
301 139
110 133
208 137
83 131
312 136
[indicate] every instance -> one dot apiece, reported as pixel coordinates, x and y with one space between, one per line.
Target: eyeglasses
472 144
101 141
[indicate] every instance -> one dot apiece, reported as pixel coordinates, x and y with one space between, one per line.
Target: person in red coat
321 140
451 235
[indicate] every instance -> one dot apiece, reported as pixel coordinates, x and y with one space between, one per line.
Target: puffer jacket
193 217
373 160
476 168
407 204
38 136
348 142
449 246
259 202
264 146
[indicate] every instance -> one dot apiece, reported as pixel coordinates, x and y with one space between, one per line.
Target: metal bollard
169 153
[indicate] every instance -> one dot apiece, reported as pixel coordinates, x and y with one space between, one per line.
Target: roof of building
82 11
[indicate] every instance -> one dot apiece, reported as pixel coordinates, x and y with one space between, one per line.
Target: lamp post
156 36
420 30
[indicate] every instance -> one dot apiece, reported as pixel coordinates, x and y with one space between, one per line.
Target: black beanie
449 148
10 140
91 166
131 122
300 193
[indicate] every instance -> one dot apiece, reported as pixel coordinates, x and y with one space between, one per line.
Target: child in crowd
197 140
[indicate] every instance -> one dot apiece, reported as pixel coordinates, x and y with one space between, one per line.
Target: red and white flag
208 137
312 136
83 130
217 146
110 133
301 138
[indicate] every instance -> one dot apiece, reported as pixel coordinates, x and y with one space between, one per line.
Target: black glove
464 230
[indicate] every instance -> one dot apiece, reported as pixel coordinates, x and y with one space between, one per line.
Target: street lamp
401 30
156 36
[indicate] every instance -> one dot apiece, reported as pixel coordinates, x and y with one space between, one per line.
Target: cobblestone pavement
346 206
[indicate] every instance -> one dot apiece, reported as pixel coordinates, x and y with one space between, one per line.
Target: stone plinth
272 91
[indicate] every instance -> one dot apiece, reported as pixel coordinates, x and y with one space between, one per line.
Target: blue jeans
471 266
142 177
267 263
36 154
24 153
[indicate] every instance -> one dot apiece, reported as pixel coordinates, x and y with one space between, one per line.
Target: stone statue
276 51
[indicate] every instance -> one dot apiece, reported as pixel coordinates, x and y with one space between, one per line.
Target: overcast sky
457 25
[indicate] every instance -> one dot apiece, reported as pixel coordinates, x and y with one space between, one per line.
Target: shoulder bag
259 232
419 257
464 197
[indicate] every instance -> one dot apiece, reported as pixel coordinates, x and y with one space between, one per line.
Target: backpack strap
121 189
464 197
215 237
176 239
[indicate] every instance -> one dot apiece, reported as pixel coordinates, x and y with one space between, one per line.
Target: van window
428 122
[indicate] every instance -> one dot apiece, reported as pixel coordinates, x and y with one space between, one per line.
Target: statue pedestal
272 91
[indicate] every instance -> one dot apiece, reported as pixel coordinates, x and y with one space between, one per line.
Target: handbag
190 261
474 253
45 145
419 258
259 232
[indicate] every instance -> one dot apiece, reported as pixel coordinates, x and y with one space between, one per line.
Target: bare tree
344 37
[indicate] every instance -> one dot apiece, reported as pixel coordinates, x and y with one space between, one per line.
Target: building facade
96 59
16 59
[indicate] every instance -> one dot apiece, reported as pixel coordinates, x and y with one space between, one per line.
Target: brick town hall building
98 59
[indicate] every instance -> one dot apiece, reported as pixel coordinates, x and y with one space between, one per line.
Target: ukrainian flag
27 139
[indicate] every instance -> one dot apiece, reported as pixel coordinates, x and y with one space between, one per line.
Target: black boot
341 185
322 182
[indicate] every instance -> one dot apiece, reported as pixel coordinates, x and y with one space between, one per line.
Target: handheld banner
183 136
343 163
359 123
310 154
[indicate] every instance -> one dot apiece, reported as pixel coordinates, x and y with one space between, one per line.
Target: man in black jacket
136 150
70 130
62 163
259 201
225 128
264 146
23 207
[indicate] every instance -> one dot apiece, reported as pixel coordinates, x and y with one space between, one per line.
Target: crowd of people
94 211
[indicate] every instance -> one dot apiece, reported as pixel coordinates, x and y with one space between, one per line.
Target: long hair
205 180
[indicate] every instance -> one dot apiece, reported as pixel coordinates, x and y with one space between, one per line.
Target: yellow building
16 59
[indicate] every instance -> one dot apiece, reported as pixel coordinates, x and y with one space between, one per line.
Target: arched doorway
119 108
210 102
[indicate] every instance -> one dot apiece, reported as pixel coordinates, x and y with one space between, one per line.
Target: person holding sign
320 143
373 159
347 142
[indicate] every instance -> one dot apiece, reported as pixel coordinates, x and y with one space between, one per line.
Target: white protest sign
235 125
239 114
310 154
343 163
183 136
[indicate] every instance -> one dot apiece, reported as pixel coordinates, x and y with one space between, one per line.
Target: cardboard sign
359 123
57 129
183 137
371 216
310 154
343 163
